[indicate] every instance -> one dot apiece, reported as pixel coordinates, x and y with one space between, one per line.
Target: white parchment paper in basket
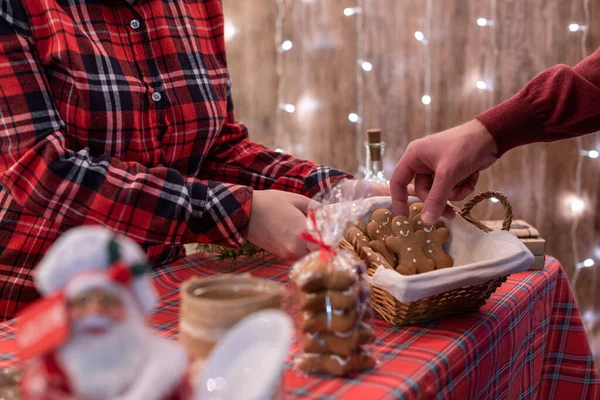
478 258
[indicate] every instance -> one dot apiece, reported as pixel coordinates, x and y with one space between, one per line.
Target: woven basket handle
465 212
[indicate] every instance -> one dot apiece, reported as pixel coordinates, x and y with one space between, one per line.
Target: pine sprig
247 250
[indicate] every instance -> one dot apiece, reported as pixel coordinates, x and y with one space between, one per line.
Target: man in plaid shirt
119 113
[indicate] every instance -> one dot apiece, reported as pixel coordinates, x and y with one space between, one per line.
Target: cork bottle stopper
374 135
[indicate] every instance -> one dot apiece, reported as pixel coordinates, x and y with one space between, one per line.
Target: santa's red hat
94 257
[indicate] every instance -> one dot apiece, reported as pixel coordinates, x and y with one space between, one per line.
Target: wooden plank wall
319 76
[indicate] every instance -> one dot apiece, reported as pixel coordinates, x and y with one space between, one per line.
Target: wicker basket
458 301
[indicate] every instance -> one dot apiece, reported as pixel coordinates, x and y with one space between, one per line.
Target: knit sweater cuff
512 123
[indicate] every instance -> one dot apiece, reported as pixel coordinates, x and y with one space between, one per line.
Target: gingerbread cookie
334 364
434 239
377 243
336 320
408 245
316 275
356 237
337 299
384 218
362 226
415 210
419 226
341 343
374 257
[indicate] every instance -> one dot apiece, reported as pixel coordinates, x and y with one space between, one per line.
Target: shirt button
134 24
156 96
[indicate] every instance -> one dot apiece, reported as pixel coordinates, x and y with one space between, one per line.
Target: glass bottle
374 159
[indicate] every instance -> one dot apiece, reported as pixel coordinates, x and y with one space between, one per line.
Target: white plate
248 362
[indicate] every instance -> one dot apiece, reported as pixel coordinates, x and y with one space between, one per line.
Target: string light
490 85
362 66
229 30
419 36
577 27
366 66
481 85
354 118
286 45
590 153
426 99
578 205
588 316
288 108
306 104
482 22
280 71
350 11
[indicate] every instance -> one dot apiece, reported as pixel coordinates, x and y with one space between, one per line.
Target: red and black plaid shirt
121 115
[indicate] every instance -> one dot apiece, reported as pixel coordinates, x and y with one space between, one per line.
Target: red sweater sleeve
561 102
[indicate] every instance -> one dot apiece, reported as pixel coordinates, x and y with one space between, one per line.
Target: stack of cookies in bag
402 243
336 313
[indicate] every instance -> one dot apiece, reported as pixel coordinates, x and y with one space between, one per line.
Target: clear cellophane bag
331 291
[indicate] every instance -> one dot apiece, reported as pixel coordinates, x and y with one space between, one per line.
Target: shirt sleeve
48 173
236 159
560 103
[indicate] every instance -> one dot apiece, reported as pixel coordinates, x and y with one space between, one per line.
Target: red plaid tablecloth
527 342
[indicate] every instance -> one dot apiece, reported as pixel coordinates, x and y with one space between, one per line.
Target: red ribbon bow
326 250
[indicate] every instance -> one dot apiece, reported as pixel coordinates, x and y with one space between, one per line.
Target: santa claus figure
88 334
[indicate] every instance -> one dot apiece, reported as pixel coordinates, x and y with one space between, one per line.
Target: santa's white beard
101 367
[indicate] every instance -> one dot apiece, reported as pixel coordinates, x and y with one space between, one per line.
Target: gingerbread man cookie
338 320
377 243
355 236
374 257
342 343
384 218
362 226
337 299
408 245
415 210
334 364
316 275
434 239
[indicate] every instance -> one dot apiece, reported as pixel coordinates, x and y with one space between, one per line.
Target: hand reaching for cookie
445 166
276 222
